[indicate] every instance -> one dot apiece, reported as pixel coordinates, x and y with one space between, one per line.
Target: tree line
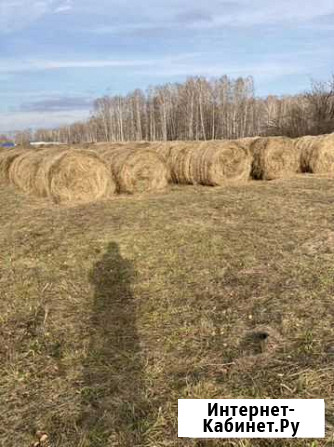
198 109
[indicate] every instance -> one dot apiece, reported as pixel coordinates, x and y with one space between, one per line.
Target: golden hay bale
247 141
136 170
22 171
274 157
73 175
304 145
164 148
7 157
317 154
209 163
105 145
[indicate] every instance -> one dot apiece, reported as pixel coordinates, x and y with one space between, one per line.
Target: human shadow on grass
113 396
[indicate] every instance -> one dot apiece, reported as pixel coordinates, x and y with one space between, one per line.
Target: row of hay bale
63 175
279 157
82 175
67 174
261 158
218 163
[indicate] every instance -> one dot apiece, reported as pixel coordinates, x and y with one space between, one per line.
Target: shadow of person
113 396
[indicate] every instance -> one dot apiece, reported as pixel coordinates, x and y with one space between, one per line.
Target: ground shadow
113 396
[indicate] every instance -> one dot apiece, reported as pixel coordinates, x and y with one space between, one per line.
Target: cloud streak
35 65
20 14
63 103
22 120
12 66
234 14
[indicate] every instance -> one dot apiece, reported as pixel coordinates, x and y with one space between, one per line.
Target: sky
57 56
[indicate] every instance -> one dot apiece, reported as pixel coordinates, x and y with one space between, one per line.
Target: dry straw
7 157
247 141
209 163
135 169
317 154
22 171
274 157
73 176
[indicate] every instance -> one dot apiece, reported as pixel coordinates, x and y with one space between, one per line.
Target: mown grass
110 312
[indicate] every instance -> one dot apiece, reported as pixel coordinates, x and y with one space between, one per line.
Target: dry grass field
111 311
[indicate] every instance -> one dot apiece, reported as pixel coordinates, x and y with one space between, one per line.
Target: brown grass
73 176
136 170
112 311
317 154
210 163
274 157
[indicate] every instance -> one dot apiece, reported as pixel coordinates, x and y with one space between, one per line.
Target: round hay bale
136 170
304 145
7 157
22 171
317 154
210 163
74 176
274 157
163 150
182 162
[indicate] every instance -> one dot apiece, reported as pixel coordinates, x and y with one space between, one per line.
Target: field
112 311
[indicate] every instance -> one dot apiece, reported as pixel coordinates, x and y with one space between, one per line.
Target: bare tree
201 109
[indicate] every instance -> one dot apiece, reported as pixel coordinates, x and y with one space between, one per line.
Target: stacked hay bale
136 170
63 175
274 157
212 163
317 153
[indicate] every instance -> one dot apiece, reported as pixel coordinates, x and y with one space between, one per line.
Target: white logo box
251 418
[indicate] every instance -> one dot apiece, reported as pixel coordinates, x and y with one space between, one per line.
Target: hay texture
23 170
317 154
247 141
212 163
73 176
7 157
136 170
274 157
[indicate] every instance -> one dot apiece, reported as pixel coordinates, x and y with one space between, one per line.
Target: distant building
7 144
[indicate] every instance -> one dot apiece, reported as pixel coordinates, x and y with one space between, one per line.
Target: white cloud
214 14
123 16
13 66
36 65
18 14
15 14
284 11
24 120
63 7
261 67
259 70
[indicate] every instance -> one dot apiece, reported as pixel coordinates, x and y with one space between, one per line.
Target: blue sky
56 56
